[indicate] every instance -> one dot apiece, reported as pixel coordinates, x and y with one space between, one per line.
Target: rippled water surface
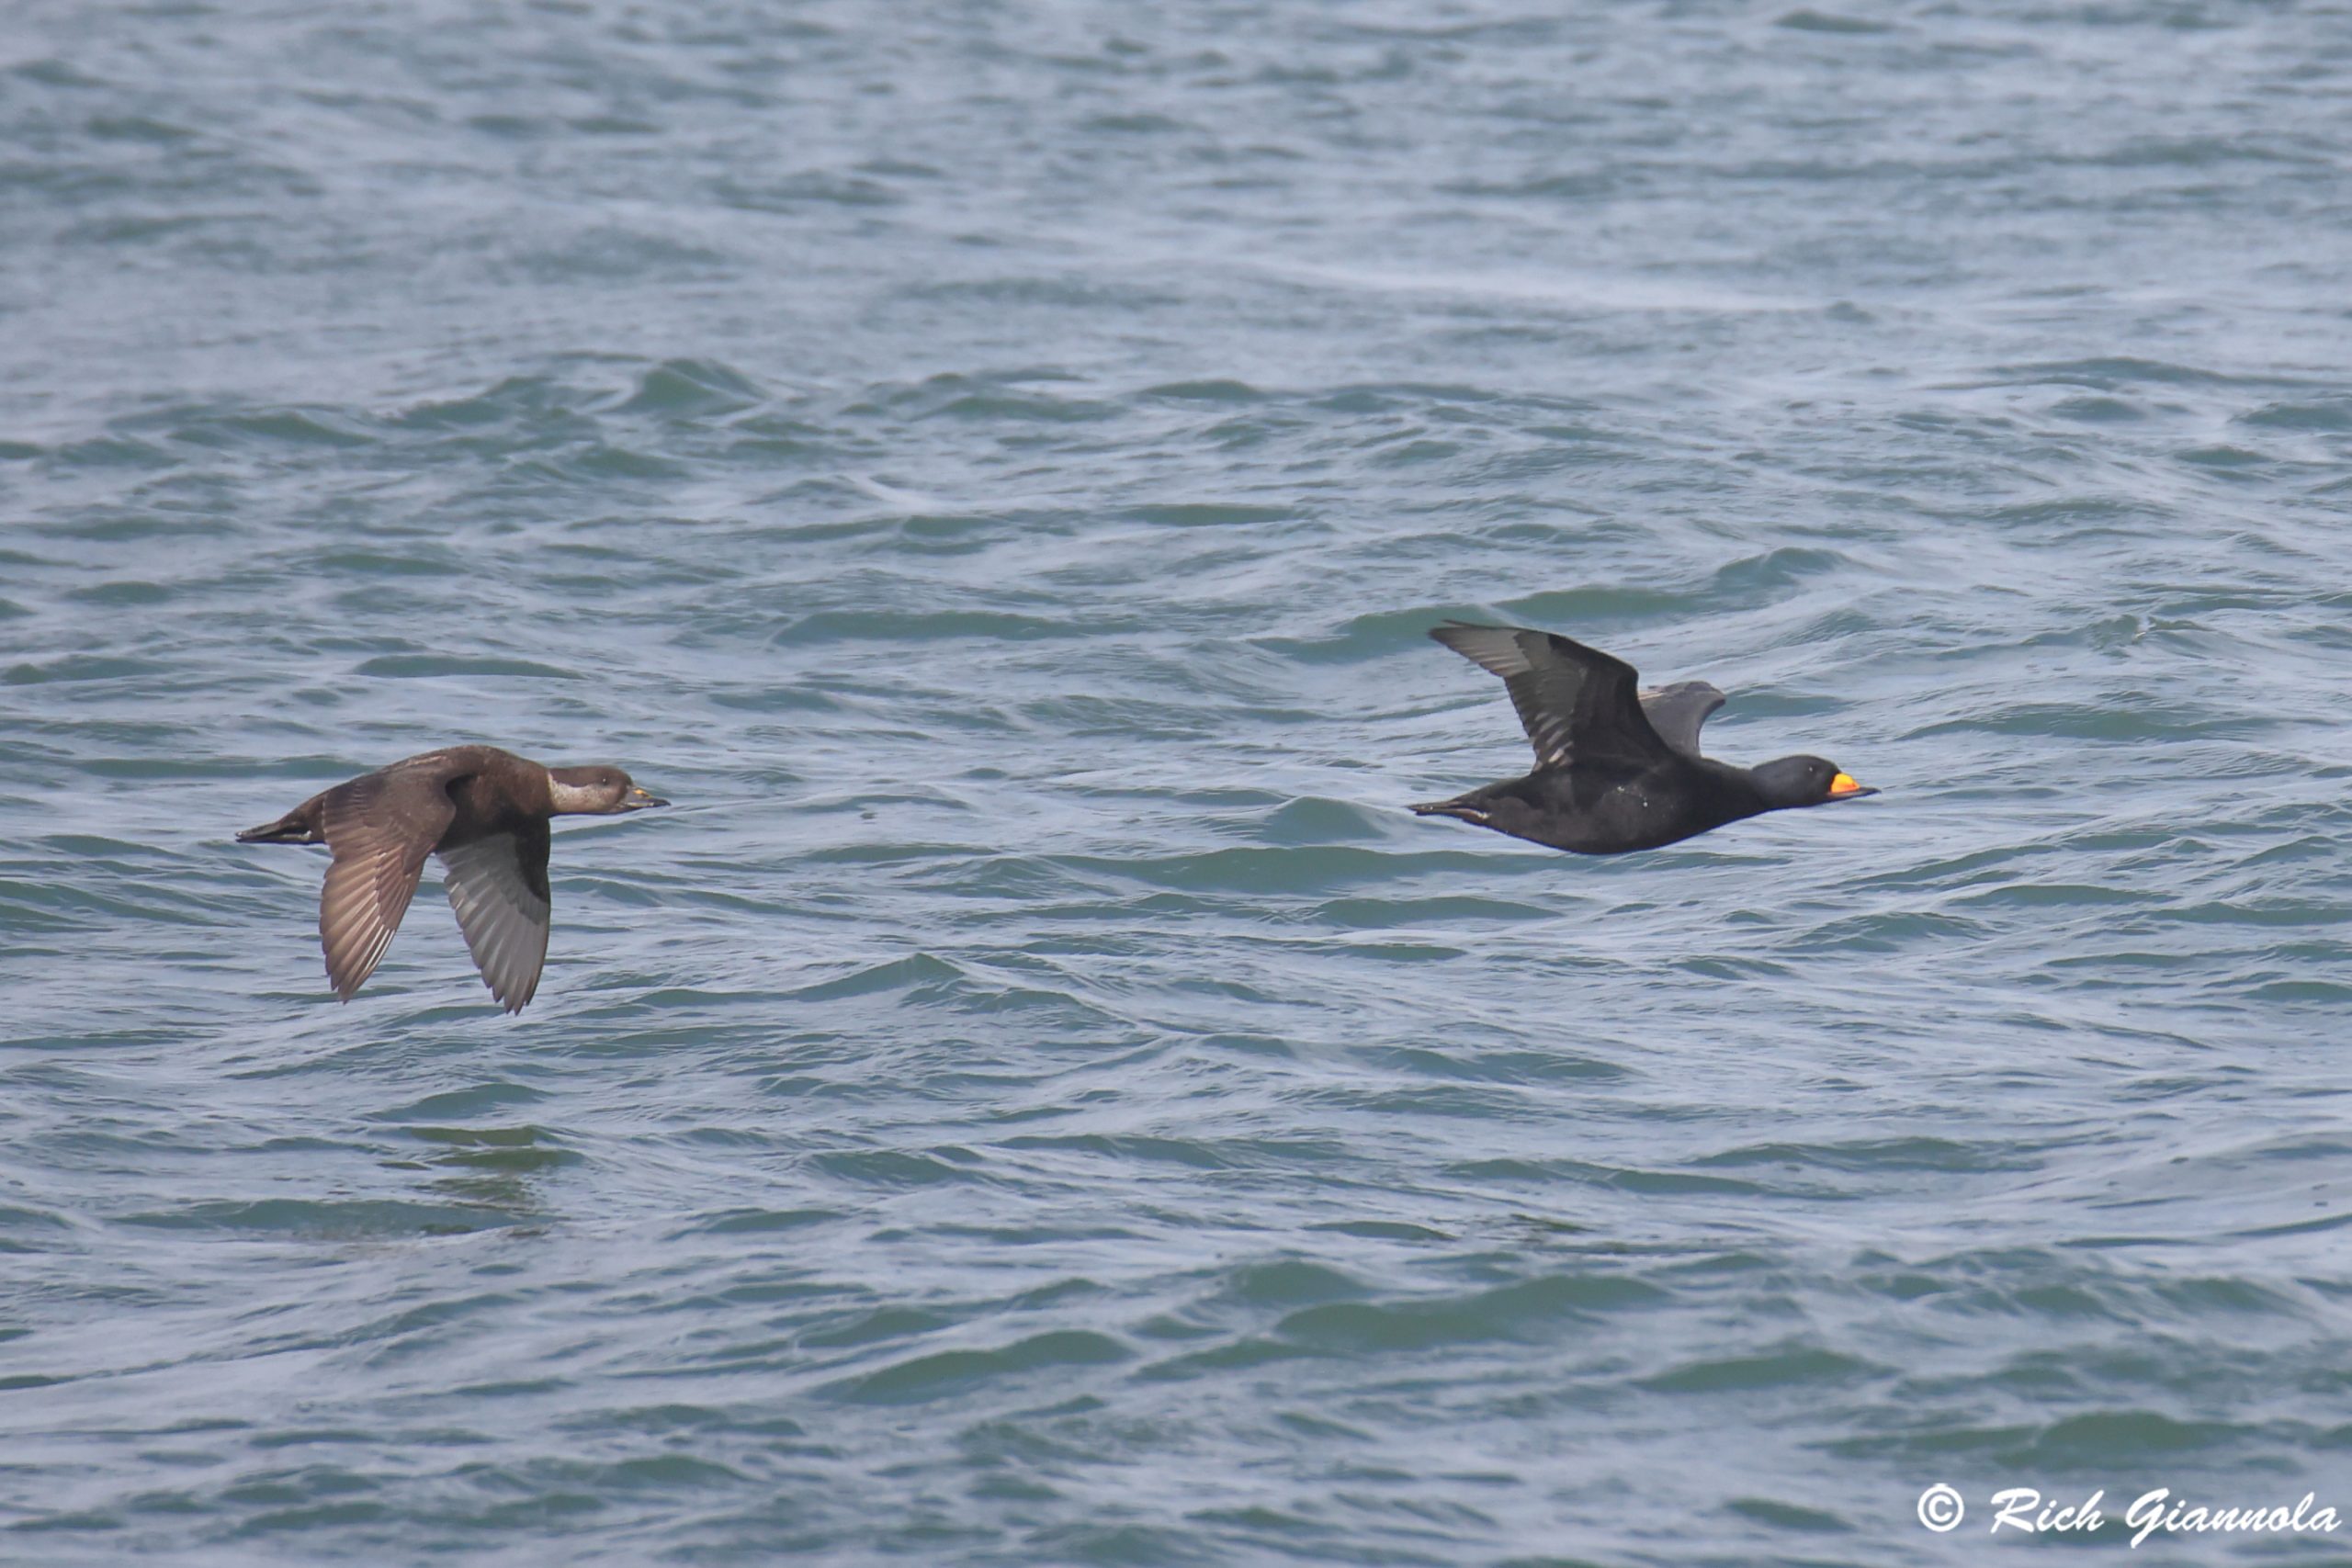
1037 1098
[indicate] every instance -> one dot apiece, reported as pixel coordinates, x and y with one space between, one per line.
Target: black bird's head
1805 781
596 792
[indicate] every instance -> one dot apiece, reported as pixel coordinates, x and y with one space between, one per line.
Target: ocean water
1037 1098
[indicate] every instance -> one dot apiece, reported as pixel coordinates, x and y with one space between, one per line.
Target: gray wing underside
498 885
1577 703
1676 712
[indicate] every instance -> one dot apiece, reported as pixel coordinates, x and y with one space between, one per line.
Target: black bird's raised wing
1676 712
1577 704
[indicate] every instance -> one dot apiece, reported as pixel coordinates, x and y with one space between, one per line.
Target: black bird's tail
294 827
1463 806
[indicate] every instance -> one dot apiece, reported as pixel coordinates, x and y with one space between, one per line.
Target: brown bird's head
596 791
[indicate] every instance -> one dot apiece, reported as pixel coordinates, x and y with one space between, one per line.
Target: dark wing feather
380 826
498 885
1577 704
1676 712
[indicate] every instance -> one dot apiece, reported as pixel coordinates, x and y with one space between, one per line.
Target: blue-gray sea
1037 1098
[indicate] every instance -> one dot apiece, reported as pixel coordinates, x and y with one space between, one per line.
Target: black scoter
1616 768
485 813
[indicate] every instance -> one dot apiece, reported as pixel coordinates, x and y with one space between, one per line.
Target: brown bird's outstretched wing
380 826
1676 712
498 885
1577 704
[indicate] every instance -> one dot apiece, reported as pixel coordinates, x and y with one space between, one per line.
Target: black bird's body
1604 810
1617 769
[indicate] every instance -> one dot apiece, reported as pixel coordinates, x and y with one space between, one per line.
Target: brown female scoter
485 813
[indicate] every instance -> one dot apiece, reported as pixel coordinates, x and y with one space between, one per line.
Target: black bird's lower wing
1676 712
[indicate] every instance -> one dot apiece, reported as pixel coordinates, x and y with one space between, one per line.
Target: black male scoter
1616 768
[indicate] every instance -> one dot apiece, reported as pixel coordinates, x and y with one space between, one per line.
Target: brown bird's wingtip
278 832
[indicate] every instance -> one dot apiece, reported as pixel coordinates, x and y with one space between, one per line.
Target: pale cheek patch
575 798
